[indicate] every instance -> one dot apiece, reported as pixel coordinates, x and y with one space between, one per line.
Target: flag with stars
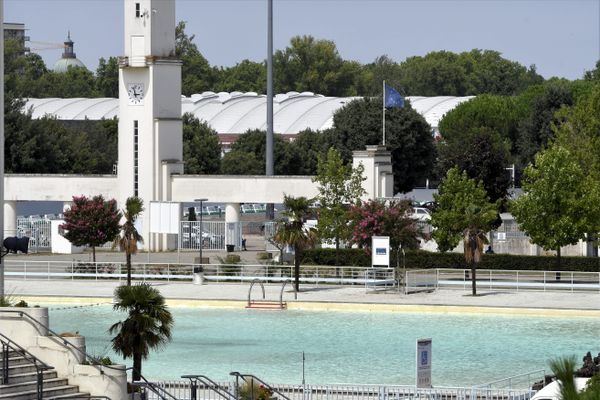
392 98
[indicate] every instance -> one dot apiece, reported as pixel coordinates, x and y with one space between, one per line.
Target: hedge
419 259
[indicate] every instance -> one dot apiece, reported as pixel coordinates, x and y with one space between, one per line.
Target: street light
201 237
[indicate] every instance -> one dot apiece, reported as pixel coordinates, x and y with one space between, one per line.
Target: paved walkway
325 297
310 296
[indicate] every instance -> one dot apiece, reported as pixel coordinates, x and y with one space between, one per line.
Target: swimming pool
343 347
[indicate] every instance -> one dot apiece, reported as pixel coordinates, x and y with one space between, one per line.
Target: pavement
328 297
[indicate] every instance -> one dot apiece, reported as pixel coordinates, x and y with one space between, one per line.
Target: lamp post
201 237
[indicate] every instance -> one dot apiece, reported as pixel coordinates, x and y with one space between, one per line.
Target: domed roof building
68 59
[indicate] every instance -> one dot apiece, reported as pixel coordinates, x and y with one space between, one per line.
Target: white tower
150 128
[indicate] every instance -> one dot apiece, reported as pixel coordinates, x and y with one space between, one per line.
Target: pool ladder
265 304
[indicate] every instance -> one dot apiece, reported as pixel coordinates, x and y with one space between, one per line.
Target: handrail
156 389
254 378
250 290
281 293
210 384
68 345
39 365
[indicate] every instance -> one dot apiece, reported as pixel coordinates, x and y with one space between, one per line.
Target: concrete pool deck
323 297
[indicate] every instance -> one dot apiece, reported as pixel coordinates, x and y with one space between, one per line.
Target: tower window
135 158
137 10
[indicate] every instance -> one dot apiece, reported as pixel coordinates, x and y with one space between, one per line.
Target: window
135 158
137 10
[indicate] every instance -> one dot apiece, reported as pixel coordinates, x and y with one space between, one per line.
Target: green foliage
462 204
197 75
148 324
308 146
247 76
340 187
291 232
408 136
247 155
91 222
201 147
561 202
21 303
107 77
483 155
376 218
129 236
419 259
252 390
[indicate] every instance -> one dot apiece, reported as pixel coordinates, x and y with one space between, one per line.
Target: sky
561 37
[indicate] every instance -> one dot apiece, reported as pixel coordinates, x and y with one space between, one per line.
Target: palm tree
292 231
129 237
147 326
474 237
564 370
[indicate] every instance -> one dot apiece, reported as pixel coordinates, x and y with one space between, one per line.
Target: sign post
423 363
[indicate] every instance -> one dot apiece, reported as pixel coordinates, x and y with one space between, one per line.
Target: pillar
233 228
10 218
377 163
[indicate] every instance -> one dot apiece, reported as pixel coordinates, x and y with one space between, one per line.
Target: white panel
138 56
380 250
164 217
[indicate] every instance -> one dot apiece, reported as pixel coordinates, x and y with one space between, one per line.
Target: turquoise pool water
345 347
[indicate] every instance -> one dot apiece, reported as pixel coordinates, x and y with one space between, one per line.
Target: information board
423 363
380 251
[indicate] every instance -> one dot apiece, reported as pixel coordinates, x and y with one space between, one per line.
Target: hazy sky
561 37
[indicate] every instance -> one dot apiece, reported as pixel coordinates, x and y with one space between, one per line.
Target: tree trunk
128 259
137 367
297 271
558 263
473 280
94 254
337 257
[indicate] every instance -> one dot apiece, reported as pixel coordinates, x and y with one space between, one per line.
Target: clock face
135 93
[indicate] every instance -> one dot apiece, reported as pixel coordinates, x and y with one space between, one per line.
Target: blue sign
424 357
380 251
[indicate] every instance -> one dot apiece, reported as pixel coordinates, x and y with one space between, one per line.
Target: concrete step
32 385
21 369
48 393
16 360
72 396
30 377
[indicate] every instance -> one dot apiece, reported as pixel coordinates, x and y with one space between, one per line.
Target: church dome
68 59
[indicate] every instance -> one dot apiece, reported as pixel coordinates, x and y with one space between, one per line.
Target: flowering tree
376 218
91 222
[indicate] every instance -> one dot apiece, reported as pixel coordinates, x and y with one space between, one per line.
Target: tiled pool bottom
341 347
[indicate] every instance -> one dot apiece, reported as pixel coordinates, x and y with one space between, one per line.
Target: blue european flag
393 98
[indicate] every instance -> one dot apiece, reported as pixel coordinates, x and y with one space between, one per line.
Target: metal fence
212 235
181 390
38 230
430 279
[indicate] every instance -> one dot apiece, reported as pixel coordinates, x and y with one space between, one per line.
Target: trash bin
198 276
230 248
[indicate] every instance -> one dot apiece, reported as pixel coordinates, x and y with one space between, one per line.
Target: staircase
267 305
22 382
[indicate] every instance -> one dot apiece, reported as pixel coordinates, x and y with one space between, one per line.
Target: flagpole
384 112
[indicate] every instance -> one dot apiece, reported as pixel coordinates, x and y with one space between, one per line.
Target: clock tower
150 127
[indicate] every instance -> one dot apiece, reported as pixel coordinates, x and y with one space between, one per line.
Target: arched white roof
237 112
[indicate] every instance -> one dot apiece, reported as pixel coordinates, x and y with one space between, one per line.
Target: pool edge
336 306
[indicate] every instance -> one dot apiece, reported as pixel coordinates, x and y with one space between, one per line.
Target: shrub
419 259
22 303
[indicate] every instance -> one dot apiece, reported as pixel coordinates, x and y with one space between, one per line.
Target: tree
408 136
465 212
201 148
564 370
292 231
561 202
308 146
253 143
246 76
91 222
376 218
197 75
483 155
129 237
312 65
340 186
148 324
107 77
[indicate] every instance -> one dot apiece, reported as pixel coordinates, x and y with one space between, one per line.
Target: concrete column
377 162
232 212
10 218
232 225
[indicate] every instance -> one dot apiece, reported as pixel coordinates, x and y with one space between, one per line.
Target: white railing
519 280
416 280
181 390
